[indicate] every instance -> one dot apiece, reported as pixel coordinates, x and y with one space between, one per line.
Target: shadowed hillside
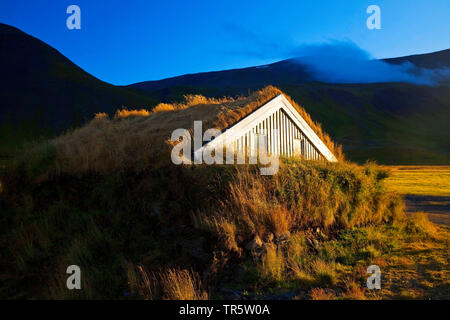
40 88
434 60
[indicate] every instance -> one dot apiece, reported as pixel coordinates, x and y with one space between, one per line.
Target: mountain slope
235 80
433 60
39 87
285 72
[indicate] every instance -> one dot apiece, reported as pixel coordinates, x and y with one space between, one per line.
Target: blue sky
123 42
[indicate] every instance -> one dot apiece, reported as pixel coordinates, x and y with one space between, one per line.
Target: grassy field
420 180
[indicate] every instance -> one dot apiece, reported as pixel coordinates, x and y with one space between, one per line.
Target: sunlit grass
420 180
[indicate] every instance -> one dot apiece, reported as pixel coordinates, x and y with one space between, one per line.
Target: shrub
324 273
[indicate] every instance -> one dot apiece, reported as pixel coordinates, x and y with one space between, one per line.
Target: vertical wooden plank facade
280 133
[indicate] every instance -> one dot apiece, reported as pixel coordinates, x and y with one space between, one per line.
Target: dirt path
436 207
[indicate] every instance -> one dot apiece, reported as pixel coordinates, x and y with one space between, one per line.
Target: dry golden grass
418 223
272 265
419 267
354 291
125 113
321 294
281 220
182 285
101 115
163 107
296 247
249 203
171 284
191 100
225 230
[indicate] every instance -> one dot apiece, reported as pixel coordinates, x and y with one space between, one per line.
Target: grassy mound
126 228
96 198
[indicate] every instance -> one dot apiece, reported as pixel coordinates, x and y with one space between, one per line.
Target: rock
283 237
255 244
268 237
313 243
320 234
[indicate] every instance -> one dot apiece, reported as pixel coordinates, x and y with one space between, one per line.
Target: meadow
420 180
424 188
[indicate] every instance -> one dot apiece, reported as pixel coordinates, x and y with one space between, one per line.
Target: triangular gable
245 124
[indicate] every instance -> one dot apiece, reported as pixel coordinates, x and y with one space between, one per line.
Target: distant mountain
286 72
40 85
434 60
283 72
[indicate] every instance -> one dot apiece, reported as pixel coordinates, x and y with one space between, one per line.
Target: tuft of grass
321 294
125 113
419 224
223 229
163 107
182 285
101 115
354 291
272 265
169 284
324 273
